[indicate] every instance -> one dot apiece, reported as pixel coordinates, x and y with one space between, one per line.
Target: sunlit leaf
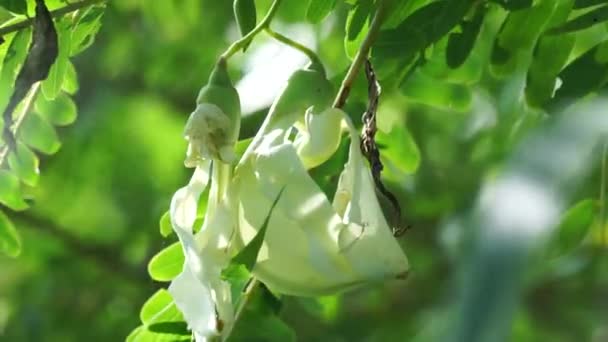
319 9
575 224
460 44
595 17
10 241
52 85
10 191
70 82
245 15
399 148
37 133
165 225
357 25
60 112
159 308
24 164
167 264
85 29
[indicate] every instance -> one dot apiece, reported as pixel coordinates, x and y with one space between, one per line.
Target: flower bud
213 127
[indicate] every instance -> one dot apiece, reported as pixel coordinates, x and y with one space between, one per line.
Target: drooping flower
212 130
313 247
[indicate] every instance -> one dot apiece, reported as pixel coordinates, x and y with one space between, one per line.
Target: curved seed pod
213 127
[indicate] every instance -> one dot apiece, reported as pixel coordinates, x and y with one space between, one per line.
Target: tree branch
54 13
362 54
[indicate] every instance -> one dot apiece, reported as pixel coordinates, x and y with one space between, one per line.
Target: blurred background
94 224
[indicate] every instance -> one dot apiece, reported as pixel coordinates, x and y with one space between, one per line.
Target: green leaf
423 89
514 5
319 9
144 334
59 112
15 6
575 224
10 191
399 148
588 3
249 254
550 56
24 164
419 30
165 224
10 241
245 15
53 83
594 17
85 29
582 76
259 321
39 134
167 264
160 308
461 44
13 59
70 82
357 18
357 26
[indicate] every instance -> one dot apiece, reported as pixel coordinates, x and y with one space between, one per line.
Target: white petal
194 301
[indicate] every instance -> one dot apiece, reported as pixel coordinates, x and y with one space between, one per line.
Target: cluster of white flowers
312 246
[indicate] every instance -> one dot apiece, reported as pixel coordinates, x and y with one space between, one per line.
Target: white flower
199 292
312 247
210 134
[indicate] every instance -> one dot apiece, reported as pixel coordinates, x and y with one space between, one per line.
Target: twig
54 13
287 41
369 147
362 54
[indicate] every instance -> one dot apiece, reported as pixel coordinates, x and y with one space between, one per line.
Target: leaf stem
54 13
27 106
362 54
239 44
292 43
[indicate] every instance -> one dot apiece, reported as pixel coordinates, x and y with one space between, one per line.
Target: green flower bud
213 127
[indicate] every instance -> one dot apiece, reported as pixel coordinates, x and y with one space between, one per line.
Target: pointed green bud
213 127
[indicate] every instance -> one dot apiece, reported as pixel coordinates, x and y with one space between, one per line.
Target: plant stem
54 13
27 106
362 54
287 41
239 44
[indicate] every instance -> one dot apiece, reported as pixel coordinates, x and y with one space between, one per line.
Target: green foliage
34 125
245 15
